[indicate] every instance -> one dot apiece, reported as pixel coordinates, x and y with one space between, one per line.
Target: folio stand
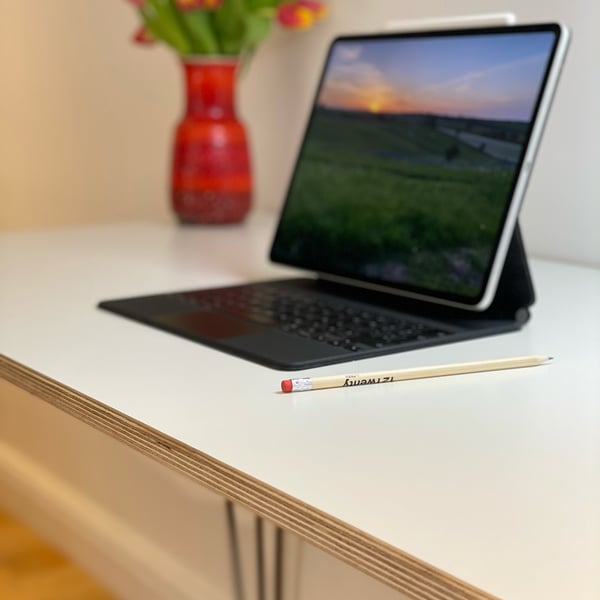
515 292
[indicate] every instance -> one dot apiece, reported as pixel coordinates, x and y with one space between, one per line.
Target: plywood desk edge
390 565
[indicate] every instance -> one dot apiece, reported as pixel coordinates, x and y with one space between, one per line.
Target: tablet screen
415 159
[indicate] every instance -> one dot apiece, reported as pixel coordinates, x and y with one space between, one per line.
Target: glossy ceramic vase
211 177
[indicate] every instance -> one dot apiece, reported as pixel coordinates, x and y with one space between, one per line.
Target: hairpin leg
236 558
278 593
234 547
260 559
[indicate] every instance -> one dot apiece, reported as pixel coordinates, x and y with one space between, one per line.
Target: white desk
467 487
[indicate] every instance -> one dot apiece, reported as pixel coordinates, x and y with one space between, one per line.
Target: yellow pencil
303 384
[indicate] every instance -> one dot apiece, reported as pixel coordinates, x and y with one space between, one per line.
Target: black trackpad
207 324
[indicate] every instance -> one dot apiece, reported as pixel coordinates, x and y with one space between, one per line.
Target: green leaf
161 19
258 28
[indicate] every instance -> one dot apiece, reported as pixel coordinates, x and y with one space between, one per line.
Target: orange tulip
318 9
300 14
294 16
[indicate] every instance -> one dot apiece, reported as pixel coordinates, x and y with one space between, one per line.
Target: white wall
86 117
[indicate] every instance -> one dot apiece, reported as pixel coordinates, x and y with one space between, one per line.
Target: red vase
211 178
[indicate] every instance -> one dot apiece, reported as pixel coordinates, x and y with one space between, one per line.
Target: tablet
416 158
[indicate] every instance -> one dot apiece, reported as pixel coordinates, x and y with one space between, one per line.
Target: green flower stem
229 25
199 26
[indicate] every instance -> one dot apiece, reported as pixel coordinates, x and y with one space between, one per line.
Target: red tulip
143 36
192 4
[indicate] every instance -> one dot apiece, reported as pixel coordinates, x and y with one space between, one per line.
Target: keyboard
323 318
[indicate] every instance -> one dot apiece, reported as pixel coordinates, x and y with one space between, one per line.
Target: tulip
300 14
193 4
295 16
318 9
143 36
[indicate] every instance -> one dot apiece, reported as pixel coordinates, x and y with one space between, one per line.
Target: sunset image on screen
481 78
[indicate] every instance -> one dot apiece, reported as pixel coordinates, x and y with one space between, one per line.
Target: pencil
303 384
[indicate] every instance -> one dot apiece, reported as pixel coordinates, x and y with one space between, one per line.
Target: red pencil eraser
286 385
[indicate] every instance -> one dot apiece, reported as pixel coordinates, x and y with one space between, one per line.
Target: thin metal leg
236 560
234 547
278 594
260 559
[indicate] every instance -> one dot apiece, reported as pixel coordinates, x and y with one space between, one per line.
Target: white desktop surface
493 478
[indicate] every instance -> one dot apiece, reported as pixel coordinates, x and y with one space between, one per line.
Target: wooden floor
32 570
